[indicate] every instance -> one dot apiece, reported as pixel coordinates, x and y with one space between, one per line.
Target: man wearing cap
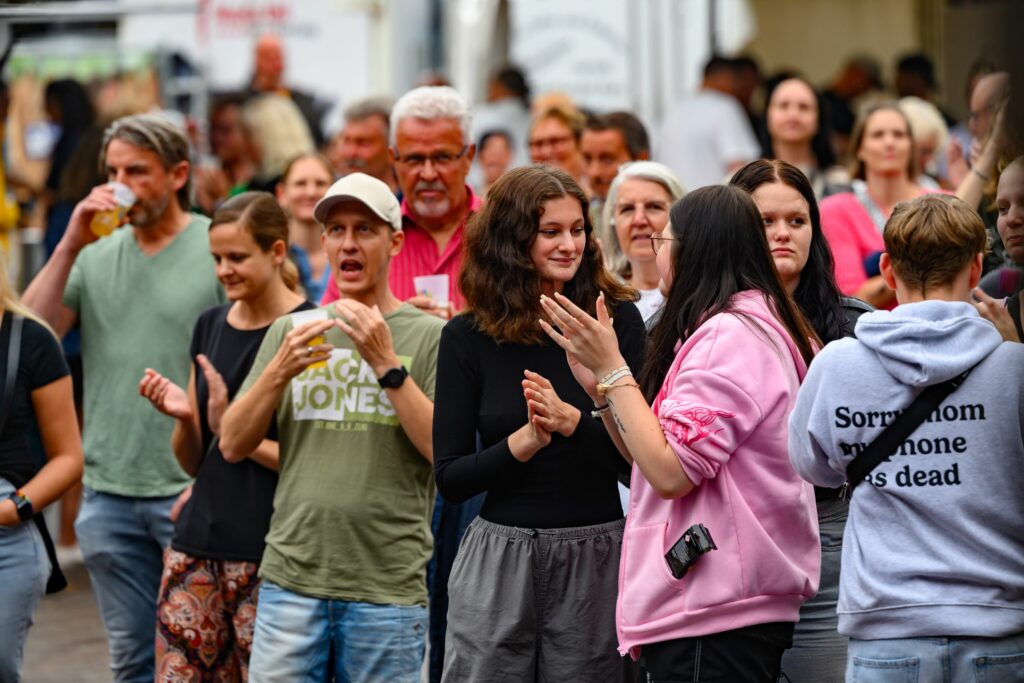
432 154
344 571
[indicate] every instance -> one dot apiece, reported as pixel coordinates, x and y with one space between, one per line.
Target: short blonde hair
569 117
931 239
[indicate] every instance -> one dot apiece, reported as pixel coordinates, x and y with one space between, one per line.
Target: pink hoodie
724 408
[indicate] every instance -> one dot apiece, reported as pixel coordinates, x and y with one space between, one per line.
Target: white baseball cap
369 191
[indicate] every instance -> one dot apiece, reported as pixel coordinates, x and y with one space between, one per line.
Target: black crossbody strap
13 358
57 581
886 443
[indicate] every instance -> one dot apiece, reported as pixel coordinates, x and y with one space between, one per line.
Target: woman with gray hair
637 207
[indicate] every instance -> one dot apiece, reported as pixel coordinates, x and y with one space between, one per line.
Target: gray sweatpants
535 605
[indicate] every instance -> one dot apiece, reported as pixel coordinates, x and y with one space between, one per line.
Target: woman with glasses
554 140
531 594
721 543
637 206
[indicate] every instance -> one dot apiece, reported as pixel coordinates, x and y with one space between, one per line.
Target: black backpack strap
886 443
13 358
57 581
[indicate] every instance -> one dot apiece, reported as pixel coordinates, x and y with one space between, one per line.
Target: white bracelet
615 374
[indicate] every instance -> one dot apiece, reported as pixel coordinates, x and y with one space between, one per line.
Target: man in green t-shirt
344 570
136 296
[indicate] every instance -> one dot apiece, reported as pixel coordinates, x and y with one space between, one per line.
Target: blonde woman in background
279 132
931 137
40 392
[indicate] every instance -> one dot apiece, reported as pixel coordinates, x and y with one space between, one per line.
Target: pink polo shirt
419 256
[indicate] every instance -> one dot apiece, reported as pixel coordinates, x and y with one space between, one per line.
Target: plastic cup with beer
105 222
303 317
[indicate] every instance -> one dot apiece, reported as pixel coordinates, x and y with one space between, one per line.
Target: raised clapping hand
547 411
591 342
217 402
996 313
370 333
165 395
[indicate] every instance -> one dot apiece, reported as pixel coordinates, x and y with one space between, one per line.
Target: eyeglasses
439 160
657 239
554 142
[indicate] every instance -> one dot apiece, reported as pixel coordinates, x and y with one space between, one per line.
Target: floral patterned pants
206 611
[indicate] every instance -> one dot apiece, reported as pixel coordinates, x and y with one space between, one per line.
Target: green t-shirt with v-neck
137 311
354 497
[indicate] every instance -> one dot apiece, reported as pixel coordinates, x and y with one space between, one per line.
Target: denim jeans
24 568
122 541
936 660
818 654
296 636
449 526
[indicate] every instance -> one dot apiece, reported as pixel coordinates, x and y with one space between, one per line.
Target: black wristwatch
393 378
23 505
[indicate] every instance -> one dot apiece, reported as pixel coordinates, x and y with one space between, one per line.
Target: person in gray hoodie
932 583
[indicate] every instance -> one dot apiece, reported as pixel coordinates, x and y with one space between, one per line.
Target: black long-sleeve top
569 483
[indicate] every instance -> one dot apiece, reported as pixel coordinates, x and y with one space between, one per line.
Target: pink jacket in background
724 408
853 237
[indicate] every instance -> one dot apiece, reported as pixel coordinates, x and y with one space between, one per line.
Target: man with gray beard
432 155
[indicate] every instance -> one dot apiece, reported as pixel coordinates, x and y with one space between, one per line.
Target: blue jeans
24 569
122 541
818 654
296 636
449 526
936 660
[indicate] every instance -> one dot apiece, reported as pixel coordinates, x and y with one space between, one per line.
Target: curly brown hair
499 279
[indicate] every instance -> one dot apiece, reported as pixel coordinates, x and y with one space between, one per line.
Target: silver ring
309 350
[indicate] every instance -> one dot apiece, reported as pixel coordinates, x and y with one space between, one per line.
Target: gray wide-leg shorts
535 605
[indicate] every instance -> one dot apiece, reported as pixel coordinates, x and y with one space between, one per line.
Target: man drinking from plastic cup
135 295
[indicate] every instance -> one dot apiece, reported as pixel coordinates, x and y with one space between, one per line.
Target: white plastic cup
303 317
105 222
434 286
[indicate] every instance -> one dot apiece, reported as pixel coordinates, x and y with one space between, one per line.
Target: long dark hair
720 249
821 145
817 294
498 277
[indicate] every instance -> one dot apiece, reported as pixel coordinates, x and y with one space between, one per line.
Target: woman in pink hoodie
721 543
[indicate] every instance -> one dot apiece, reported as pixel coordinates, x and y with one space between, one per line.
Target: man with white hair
432 154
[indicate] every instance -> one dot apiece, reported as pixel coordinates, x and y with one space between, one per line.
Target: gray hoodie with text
934 544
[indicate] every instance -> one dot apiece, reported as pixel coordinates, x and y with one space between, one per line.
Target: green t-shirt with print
354 497
137 311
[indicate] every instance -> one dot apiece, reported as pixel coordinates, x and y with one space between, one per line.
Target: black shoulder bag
57 581
886 443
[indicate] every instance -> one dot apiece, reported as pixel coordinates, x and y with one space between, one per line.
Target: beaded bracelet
615 374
